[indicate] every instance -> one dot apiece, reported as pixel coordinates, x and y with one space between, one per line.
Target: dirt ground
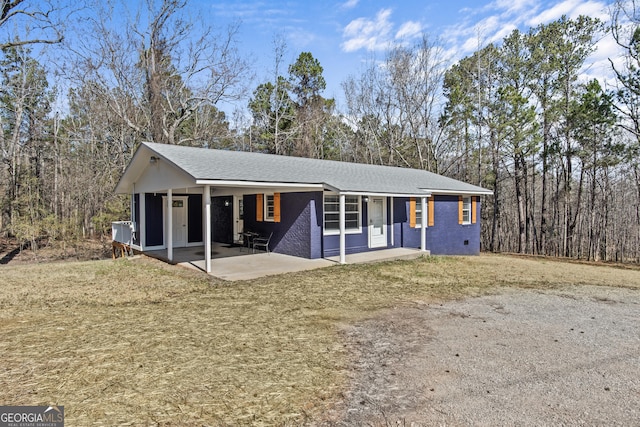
51 251
522 357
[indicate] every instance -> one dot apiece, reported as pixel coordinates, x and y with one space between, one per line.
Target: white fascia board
373 194
147 177
331 188
462 193
258 184
134 169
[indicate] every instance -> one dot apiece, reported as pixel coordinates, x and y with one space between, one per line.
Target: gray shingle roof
210 165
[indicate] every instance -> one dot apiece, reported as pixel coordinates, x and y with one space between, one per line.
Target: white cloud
409 30
505 31
377 34
363 33
513 7
493 22
572 9
300 37
349 4
594 9
599 65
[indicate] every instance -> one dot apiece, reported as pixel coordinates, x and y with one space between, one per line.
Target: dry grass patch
141 342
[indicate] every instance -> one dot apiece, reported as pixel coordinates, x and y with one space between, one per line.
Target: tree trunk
520 179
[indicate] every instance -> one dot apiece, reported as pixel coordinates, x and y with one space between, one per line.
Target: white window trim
466 207
347 230
418 209
265 217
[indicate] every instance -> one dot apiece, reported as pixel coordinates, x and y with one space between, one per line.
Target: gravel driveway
567 356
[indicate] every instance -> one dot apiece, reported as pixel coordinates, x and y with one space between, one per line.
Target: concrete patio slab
382 255
259 265
234 263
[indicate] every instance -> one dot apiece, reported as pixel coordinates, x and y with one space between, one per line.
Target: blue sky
342 34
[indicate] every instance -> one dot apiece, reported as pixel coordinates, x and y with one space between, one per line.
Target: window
332 213
466 210
269 207
415 212
418 213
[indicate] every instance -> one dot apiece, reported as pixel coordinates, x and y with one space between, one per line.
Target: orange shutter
412 212
259 207
431 207
276 207
473 210
460 208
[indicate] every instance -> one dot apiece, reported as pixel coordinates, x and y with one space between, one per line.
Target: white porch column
423 220
207 228
169 239
341 220
392 227
142 232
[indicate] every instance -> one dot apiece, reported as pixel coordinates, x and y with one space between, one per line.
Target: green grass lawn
140 342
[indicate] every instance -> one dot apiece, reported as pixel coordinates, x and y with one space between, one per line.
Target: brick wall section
446 236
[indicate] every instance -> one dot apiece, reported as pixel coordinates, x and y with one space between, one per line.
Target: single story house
186 196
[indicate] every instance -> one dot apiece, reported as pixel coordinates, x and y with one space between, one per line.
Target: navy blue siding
300 230
250 223
298 223
354 243
446 236
154 221
400 218
410 236
154 228
136 218
294 230
222 219
316 208
194 214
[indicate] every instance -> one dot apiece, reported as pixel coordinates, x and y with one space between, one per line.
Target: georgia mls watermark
31 416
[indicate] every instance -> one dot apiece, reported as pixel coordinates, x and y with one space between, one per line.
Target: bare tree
272 108
29 22
395 107
625 27
164 65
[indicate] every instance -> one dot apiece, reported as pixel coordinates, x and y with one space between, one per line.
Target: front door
238 216
179 213
377 222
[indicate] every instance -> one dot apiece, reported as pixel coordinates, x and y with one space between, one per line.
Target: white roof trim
461 193
225 183
368 193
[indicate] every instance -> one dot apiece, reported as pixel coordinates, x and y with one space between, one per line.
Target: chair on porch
241 240
246 239
261 242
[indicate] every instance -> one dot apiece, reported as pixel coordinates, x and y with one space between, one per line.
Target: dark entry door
222 219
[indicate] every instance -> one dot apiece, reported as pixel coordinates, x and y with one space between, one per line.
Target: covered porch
185 202
229 262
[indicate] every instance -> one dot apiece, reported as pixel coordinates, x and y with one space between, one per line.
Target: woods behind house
82 84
